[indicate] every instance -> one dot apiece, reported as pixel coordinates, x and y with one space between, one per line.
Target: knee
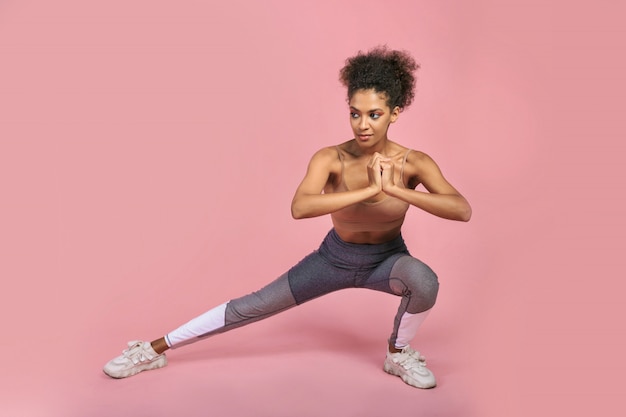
419 281
427 285
431 290
431 280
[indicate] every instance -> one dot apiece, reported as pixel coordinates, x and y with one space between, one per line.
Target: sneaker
411 367
138 357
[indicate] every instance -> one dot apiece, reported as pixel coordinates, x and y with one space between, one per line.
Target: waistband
340 252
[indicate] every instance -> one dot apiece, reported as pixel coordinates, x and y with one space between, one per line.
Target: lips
364 137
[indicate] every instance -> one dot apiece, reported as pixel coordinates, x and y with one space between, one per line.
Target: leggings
336 265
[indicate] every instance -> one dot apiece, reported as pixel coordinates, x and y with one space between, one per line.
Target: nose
363 125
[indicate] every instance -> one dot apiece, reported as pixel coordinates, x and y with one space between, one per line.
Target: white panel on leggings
409 324
201 325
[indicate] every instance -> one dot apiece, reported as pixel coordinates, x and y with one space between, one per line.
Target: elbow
465 214
297 212
460 212
302 209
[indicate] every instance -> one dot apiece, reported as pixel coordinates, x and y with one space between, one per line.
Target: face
370 117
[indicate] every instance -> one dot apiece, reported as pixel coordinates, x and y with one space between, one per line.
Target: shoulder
327 158
327 154
418 158
419 165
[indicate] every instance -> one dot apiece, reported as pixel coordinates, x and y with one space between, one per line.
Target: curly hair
384 70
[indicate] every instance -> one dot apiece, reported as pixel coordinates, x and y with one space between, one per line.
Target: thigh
402 274
314 276
379 278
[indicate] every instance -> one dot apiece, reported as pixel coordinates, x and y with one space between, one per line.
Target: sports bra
382 215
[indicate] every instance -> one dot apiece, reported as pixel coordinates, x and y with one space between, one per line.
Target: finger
379 156
372 162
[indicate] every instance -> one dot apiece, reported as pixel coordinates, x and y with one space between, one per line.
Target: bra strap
341 159
402 168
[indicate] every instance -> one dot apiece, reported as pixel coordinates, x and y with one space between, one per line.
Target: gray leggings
336 265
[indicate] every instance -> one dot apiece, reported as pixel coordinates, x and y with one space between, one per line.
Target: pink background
148 155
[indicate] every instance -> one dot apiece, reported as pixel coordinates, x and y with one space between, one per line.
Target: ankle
393 349
159 345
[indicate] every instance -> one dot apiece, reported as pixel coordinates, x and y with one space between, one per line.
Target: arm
442 199
309 201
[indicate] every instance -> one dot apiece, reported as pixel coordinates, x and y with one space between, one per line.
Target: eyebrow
368 111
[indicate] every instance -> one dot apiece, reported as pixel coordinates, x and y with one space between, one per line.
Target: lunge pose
366 184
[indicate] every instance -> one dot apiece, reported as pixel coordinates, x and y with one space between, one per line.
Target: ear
395 113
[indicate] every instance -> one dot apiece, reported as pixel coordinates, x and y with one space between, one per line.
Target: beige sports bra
382 215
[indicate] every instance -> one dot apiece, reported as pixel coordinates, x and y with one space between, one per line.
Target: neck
380 147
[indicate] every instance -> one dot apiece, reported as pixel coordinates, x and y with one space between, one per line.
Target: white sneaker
138 357
411 367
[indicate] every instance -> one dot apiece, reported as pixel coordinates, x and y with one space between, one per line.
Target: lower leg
269 300
406 329
418 286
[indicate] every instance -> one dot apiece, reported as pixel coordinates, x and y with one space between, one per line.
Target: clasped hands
380 171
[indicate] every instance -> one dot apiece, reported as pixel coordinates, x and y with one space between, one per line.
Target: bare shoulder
326 159
419 167
326 156
420 161
327 152
416 156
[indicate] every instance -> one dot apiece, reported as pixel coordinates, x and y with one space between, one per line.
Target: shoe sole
395 370
156 364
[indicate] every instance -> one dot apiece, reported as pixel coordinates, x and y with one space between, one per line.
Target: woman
366 185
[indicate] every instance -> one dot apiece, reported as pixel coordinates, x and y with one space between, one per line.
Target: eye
354 115
374 115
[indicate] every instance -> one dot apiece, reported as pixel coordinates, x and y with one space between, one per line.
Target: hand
387 177
374 172
380 172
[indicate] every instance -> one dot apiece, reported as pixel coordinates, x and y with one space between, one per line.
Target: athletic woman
366 184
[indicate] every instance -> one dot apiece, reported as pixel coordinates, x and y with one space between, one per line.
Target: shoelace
415 354
409 362
136 353
410 359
